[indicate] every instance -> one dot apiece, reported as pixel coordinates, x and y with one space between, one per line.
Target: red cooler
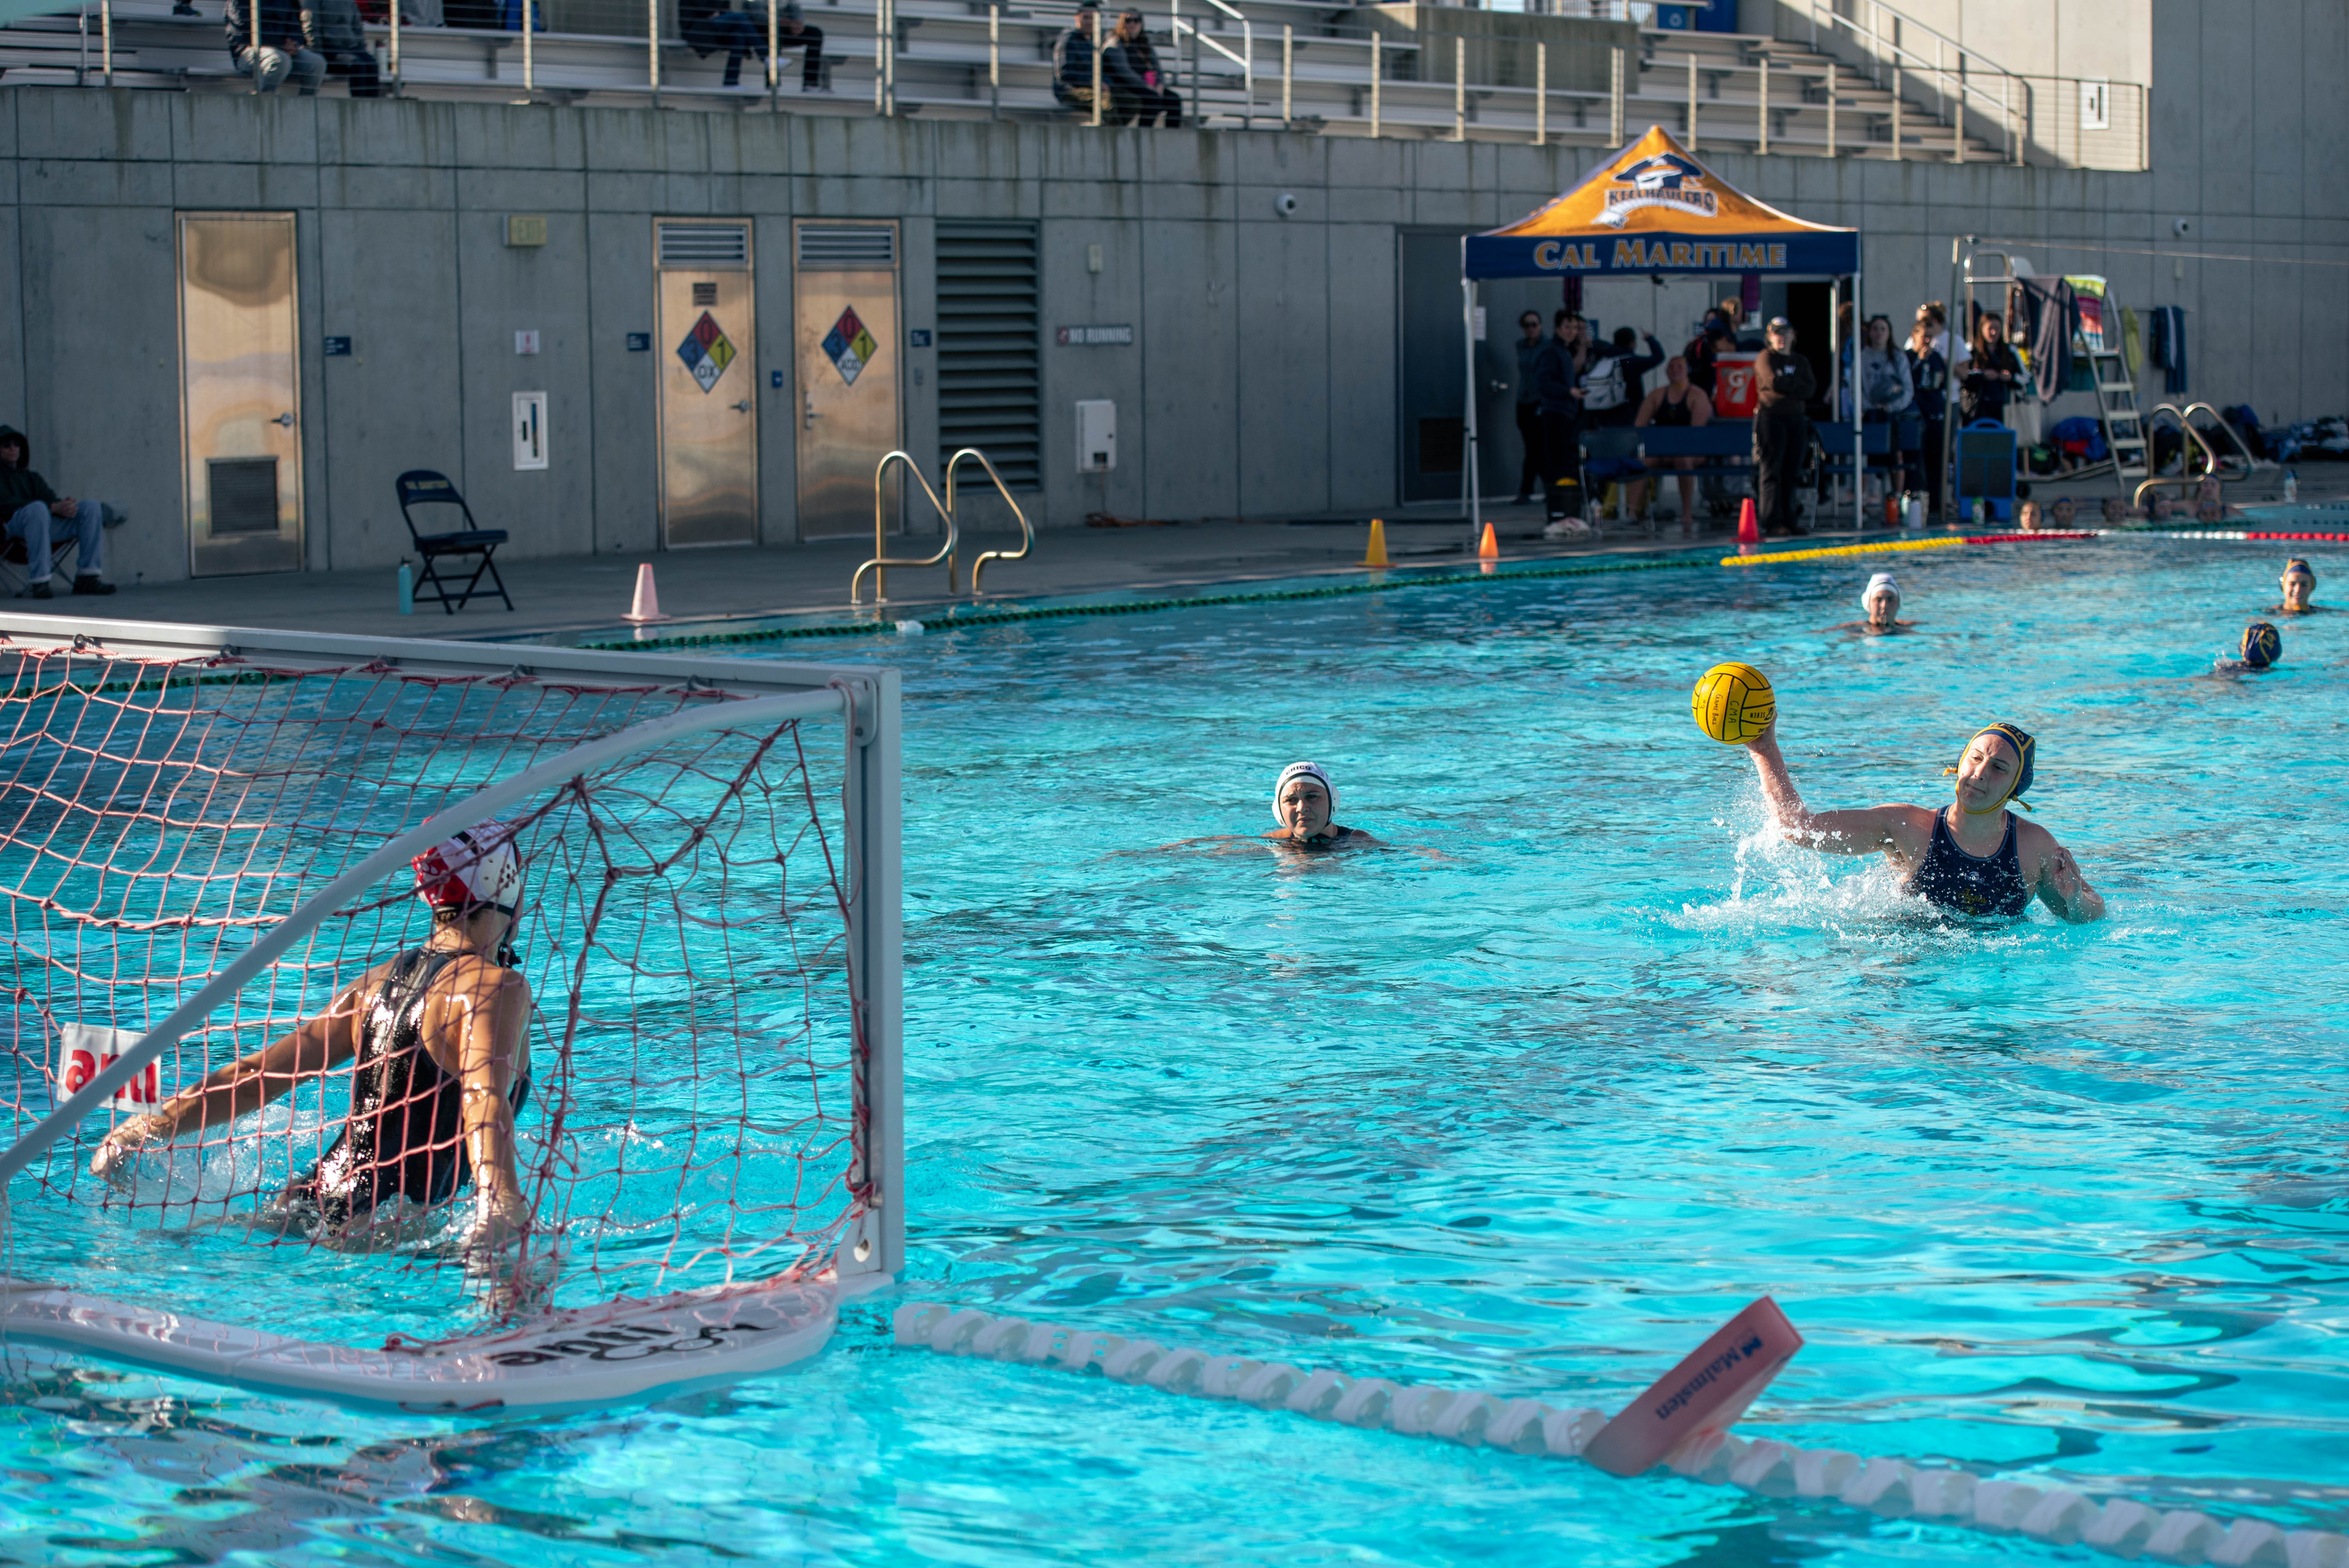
1733 385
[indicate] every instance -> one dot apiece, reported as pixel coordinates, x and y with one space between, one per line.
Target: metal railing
949 58
882 560
2105 124
2226 467
1027 533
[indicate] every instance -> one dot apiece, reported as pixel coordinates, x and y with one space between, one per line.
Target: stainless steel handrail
2220 421
2187 478
1027 533
881 562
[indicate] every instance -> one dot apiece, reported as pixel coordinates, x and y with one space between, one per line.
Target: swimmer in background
2299 585
2064 513
1305 804
1881 600
2261 650
2027 520
1972 857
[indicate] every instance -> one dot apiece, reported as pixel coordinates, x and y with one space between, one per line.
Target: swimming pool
1527 1104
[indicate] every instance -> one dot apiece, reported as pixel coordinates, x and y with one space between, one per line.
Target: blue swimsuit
1966 884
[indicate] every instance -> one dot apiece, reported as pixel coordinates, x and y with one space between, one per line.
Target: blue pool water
1527 1103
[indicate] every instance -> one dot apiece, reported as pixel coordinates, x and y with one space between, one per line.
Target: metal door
844 291
240 392
709 384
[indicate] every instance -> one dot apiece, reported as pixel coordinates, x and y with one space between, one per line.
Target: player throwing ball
1972 857
441 1048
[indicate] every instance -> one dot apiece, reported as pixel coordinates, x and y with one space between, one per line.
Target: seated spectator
1072 60
795 31
342 38
711 25
1138 91
33 509
1678 402
285 48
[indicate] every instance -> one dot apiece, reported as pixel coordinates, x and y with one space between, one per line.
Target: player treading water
440 1041
1971 857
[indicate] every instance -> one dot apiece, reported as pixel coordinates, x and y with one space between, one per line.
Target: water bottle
407 588
1980 509
2291 487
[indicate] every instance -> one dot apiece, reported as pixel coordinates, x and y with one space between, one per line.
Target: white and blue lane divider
1888 1487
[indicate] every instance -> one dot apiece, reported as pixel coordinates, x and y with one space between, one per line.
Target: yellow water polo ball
1733 703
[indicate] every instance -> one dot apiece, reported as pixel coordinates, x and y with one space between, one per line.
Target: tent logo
1664 180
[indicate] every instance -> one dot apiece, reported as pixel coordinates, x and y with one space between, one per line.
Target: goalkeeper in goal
439 1039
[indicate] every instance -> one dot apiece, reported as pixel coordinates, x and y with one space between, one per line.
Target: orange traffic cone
1376 555
647 607
1489 547
1749 523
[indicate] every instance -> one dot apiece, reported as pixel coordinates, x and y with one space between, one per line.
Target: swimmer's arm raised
313 1046
1865 832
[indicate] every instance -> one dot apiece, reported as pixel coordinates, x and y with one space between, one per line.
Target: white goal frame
571 1357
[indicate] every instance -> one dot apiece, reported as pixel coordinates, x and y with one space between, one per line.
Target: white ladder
2116 402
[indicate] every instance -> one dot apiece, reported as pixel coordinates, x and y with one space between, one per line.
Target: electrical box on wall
529 430
1096 435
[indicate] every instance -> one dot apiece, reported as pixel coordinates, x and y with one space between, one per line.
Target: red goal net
692 1037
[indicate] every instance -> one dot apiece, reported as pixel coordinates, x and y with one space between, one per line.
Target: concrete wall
2112 39
1264 377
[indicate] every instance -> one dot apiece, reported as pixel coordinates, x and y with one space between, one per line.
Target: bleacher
966 59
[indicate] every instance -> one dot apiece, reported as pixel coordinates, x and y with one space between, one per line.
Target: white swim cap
1302 770
1883 581
472 867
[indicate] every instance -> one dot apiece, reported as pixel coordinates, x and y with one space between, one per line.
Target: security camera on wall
2181 227
1285 203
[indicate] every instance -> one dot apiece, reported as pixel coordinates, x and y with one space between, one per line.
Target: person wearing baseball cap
437 1045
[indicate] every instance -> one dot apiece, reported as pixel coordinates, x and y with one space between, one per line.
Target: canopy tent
1653 208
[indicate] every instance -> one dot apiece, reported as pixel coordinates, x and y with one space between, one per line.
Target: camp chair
423 487
16 570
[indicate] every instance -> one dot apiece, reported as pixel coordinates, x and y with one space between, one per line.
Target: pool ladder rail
2228 467
881 562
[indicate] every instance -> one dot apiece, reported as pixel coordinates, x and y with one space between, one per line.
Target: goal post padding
203 843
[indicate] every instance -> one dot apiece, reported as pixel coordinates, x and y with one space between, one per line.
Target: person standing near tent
1529 423
1783 384
1558 374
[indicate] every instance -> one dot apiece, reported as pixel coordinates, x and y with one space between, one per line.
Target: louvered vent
695 247
839 246
990 368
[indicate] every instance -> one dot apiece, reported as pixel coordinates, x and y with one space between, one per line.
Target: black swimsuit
405 1133
1966 884
1670 414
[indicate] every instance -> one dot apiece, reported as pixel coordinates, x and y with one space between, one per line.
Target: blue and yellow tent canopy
1654 207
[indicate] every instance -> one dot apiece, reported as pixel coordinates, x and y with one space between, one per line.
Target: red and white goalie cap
474 866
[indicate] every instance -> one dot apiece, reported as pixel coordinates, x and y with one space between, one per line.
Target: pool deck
560 598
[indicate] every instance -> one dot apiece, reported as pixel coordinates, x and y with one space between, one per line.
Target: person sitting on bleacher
285 45
711 25
32 508
342 38
1138 91
1072 60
